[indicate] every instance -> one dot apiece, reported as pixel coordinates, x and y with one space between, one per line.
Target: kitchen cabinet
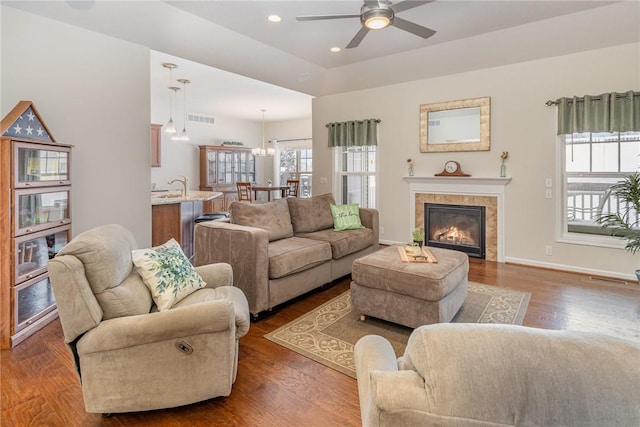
35 220
220 168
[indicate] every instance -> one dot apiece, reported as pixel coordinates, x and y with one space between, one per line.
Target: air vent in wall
201 118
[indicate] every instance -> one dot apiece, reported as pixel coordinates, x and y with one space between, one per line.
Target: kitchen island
173 216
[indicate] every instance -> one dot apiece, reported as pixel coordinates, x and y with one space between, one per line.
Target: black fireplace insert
457 227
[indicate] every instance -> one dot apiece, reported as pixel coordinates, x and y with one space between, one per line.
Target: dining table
269 189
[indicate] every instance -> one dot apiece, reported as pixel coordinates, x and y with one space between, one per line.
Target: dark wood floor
277 387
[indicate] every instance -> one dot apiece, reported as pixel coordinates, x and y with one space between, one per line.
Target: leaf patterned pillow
167 272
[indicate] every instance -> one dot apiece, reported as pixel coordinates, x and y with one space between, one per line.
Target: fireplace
458 227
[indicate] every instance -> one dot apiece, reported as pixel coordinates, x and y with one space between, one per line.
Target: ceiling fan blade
408 4
355 41
413 28
318 17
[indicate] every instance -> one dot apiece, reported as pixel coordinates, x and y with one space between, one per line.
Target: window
356 168
295 163
593 162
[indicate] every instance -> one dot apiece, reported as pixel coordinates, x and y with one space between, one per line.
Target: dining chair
293 185
244 191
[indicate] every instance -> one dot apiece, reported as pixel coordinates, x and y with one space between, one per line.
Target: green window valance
353 133
609 112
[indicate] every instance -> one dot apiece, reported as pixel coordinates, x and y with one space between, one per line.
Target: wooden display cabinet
220 168
35 220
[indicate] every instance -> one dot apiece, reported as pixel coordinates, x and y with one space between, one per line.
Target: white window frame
562 233
339 174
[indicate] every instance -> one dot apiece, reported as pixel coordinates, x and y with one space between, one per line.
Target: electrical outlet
547 193
548 250
323 180
547 183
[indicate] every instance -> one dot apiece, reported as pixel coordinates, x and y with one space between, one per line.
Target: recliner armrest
130 331
216 275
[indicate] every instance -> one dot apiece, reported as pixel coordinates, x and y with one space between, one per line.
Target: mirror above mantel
463 125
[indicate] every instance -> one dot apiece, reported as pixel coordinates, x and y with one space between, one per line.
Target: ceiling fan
379 14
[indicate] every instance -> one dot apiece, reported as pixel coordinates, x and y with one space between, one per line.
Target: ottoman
410 294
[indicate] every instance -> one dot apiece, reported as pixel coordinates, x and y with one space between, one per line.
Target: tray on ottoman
410 294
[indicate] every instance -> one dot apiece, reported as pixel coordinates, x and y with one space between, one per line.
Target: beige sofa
285 248
129 356
499 375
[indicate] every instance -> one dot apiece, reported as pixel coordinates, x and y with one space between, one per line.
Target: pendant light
170 127
263 152
183 136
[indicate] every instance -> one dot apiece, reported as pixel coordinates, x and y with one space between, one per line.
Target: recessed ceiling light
274 18
335 49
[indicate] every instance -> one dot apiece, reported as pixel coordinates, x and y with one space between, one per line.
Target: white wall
93 92
521 124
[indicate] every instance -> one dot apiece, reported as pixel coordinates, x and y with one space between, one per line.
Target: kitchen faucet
185 184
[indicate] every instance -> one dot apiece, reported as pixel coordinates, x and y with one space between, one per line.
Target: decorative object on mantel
503 168
463 125
410 165
237 143
452 168
263 152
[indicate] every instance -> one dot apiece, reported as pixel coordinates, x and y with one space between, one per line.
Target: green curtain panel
609 112
353 133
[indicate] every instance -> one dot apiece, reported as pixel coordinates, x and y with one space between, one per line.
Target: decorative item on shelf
503 168
170 127
624 224
183 136
263 152
237 143
452 168
410 165
269 182
418 236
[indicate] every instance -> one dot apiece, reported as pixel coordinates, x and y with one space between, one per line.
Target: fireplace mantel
461 186
466 180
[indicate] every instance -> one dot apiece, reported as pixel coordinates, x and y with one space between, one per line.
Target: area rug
328 333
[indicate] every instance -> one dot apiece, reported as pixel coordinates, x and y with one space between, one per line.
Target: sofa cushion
343 242
168 273
288 256
312 214
346 217
273 217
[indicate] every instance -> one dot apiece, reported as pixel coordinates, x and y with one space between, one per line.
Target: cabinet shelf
220 168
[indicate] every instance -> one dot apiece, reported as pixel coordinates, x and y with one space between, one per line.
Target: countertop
166 198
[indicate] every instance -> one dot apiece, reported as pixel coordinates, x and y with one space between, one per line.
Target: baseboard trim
572 269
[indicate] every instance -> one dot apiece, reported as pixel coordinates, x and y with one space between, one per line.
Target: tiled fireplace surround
468 191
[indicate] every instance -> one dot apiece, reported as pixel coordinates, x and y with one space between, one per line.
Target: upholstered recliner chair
130 356
499 375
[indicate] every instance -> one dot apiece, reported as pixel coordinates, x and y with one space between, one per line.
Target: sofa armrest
246 249
370 219
130 331
216 275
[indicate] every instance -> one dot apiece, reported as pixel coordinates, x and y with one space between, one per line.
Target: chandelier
263 152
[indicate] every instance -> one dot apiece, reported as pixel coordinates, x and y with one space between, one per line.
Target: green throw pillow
346 217
167 273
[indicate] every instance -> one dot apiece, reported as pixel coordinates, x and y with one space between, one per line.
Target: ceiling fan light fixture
377 19
335 49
